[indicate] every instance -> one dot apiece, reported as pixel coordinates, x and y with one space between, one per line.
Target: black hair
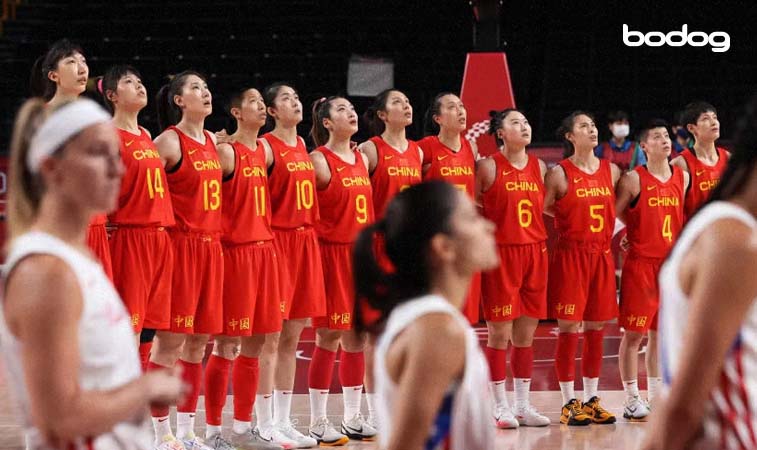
495 122
412 219
109 82
566 126
321 110
39 83
430 127
269 96
168 111
649 126
617 116
376 126
693 110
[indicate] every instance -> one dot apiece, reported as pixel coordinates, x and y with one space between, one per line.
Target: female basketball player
580 193
449 157
650 202
345 200
67 338
430 373
704 162
61 75
394 163
510 188
291 182
708 317
252 314
194 174
143 256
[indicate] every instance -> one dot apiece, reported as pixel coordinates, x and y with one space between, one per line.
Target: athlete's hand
222 137
165 387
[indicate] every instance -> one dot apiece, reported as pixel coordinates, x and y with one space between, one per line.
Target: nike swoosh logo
283 154
507 172
442 158
544 249
243 157
130 142
268 396
607 251
162 420
388 157
700 172
576 180
192 152
649 188
358 388
339 169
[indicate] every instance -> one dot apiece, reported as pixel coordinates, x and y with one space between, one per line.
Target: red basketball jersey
703 178
346 205
246 202
656 217
394 172
587 211
195 185
455 167
292 185
515 202
99 219
144 198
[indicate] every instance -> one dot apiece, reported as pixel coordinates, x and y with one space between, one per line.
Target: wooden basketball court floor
623 435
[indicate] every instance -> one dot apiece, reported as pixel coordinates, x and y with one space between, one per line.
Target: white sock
632 389
352 398
263 404
212 430
568 391
371 399
162 427
653 388
318 401
590 388
498 392
282 406
185 425
522 388
241 427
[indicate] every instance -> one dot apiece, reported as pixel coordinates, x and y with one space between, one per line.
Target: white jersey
108 357
730 416
468 404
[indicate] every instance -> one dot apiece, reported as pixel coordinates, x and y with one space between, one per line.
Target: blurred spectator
681 137
619 149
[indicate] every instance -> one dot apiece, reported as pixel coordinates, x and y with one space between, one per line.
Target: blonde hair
25 189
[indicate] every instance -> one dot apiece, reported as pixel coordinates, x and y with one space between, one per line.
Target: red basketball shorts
639 294
301 274
471 307
196 288
518 287
340 291
142 274
251 291
582 283
97 241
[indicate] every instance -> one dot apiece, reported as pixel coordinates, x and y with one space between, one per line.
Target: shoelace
219 443
325 423
598 408
575 408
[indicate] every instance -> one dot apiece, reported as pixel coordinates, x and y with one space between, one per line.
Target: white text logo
719 41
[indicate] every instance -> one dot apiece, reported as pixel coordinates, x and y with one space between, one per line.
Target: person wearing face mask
619 149
681 138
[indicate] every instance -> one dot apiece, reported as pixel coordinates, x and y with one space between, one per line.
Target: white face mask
620 131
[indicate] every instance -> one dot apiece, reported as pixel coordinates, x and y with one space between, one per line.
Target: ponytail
430 127
371 285
376 126
168 111
321 110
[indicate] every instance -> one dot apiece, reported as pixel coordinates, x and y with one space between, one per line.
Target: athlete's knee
226 347
499 334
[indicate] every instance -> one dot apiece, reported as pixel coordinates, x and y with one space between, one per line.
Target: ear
690 127
271 111
437 119
111 95
178 101
326 122
53 76
236 113
382 115
442 248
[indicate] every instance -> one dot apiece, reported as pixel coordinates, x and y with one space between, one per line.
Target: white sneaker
169 442
504 418
373 422
635 409
274 436
287 429
323 431
192 442
528 416
251 440
217 442
358 428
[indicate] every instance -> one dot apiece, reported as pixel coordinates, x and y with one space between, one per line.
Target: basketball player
143 256
449 157
61 75
345 200
251 292
430 372
67 339
194 174
704 161
580 193
394 163
510 189
708 317
650 202
294 212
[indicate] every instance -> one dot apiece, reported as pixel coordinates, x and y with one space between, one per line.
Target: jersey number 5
595 211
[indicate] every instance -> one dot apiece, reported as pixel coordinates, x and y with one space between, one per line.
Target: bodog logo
719 41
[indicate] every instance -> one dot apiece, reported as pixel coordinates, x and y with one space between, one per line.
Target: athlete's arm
269 157
226 155
474 147
628 189
322 171
542 168
616 173
434 357
169 148
680 162
368 148
556 186
486 173
43 307
723 268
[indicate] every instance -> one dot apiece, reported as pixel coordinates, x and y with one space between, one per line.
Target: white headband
65 122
